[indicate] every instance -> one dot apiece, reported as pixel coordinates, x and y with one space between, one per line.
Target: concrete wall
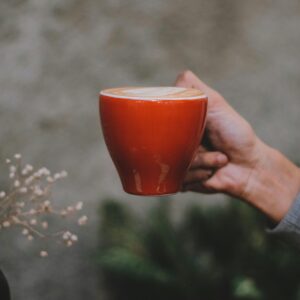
56 55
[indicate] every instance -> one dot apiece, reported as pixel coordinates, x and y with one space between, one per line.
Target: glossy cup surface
152 143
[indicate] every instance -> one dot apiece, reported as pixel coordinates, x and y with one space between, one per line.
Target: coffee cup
152 134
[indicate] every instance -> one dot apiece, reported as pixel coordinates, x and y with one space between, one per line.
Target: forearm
274 183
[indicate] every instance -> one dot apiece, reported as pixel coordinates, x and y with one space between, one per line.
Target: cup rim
154 98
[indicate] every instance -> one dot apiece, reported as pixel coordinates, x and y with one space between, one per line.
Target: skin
236 162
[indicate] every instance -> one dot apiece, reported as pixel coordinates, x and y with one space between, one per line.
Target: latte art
154 93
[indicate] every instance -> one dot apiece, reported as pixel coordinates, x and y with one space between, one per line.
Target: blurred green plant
214 253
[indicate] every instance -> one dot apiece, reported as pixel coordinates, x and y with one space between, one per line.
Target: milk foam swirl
154 93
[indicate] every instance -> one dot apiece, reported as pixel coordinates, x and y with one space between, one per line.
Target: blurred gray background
56 55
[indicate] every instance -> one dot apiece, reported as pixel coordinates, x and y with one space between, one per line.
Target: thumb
188 79
216 102
215 184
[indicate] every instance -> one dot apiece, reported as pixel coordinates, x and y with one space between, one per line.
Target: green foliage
214 253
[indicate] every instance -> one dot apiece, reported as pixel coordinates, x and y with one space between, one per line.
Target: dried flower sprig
28 201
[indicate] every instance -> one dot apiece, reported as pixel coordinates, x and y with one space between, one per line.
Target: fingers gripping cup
152 135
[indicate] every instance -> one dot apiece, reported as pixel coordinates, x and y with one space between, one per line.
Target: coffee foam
154 93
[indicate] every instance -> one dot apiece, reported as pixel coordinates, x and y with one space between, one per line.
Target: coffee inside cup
154 93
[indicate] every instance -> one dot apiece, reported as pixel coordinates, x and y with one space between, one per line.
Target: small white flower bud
57 176
25 231
29 168
23 190
74 238
79 206
2 194
45 225
24 172
70 208
44 171
17 183
37 175
47 203
38 191
29 180
50 179
43 253
82 220
8 161
69 243
12 175
15 219
12 169
67 235
18 156
33 221
30 237
6 224
63 174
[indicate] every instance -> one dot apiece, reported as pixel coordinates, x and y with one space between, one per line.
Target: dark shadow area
4 288
214 253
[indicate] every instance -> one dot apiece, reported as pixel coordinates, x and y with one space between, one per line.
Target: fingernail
222 159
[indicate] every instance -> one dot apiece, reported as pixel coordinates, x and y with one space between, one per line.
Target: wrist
273 184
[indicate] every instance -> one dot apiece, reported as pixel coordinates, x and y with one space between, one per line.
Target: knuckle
217 95
208 185
209 159
201 148
185 75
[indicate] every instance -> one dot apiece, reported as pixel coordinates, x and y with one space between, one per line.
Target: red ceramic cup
152 135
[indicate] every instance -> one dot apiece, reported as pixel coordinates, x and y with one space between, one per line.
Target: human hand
239 163
228 133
